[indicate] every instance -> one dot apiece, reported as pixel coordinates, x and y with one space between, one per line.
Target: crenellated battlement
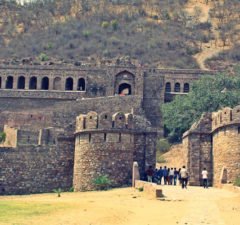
104 121
225 117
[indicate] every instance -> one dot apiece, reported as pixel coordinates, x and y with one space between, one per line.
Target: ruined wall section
36 169
226 145
198 143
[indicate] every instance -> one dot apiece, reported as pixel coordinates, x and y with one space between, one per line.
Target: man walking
205 178
184 177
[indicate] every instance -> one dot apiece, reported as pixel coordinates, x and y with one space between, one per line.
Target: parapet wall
36 169
226 145
103 146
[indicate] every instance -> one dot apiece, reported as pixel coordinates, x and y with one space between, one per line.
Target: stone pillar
27 79
135 173
39 83
15 81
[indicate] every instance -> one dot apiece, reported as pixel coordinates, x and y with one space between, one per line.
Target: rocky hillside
173 33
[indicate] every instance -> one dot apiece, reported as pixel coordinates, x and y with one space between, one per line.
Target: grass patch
160 158
14 212
237 182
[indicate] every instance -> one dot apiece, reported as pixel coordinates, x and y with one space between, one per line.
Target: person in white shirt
205 178
184 177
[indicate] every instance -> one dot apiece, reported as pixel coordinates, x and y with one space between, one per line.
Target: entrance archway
9 82
57 85
69 84
124 89
21 83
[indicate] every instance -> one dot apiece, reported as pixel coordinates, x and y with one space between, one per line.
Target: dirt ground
130 207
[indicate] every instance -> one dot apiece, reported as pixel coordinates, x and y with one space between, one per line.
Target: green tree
208 94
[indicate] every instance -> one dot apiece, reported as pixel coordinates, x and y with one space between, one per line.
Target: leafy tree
208 94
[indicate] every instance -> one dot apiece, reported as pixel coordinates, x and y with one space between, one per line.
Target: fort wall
105 145
226 145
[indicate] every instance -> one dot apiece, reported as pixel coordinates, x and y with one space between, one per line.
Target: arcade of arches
34 83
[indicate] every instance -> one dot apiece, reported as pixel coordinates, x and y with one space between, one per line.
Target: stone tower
104 145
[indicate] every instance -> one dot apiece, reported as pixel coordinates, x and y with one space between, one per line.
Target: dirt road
194 206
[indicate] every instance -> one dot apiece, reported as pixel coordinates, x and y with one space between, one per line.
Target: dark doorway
168 87
81 85
69 84
21 83
177 87
33 83
186 88
45 83
9 82
124 89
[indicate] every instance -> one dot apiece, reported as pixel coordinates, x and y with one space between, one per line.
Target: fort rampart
39 107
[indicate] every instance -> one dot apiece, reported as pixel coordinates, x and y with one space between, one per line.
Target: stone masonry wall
36 169
226 154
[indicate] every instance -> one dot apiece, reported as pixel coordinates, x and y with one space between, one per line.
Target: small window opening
120 137
105 137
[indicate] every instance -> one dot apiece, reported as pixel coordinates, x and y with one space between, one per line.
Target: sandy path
194 206
203 205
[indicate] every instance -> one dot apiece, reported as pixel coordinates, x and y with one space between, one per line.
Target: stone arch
57 85
168 88
105 120
125 89
33 83
21 82
69 84
177 87
124 78
186 88
81 84
9 82
119 120
129 121
45 83
81 122
92 120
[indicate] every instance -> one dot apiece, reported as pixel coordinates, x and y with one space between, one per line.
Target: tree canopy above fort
208 94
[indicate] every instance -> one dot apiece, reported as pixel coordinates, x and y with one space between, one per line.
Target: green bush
58 191
102 182
2 137
237 182
71 189
43 57
163 145
86 33
105 24
141 189
114 24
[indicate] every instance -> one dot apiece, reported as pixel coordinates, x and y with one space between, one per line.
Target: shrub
58 191
43 57
163 145
2 137
105 24
141 189
102 182
71 189
237 182
86 33
114 24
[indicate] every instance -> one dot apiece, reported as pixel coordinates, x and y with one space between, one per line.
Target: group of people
170 176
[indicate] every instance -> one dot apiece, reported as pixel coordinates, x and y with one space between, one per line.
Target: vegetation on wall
156 32
2 137
208 94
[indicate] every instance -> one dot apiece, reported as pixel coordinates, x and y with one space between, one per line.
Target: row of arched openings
57 83
177 87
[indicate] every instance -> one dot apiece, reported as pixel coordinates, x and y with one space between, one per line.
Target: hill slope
156 32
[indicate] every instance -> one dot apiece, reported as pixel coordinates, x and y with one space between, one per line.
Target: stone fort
67 125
